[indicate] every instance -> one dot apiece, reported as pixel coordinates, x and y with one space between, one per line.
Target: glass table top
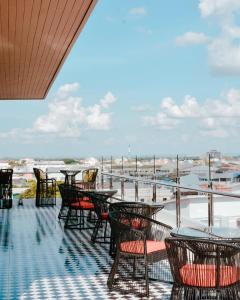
208 232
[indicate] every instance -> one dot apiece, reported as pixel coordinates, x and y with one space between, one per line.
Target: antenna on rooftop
129 151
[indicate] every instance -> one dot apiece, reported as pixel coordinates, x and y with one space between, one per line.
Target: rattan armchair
141 208
88 181
140 250
45 189
101 231
79 207
63 189
204 269
137 208
6 188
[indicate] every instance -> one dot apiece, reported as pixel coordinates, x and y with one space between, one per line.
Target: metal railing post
110 179
122 189
102 179
154 198
178 209
136 165
136 182
122 183
136 191
210 196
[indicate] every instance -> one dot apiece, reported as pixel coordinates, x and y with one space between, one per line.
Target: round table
208 232
70 176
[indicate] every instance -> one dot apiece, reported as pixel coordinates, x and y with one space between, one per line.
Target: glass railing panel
226 211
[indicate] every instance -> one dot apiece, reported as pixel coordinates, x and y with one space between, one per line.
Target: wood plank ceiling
35 39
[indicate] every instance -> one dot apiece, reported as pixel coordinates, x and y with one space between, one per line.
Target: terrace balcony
41 259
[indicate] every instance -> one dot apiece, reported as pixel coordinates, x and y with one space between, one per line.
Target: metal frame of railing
210 192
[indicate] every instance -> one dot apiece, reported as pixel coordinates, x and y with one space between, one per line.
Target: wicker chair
204 269
88 181
141 208
45 190
6 188
101 231
137 208
140 250
79 207
63 189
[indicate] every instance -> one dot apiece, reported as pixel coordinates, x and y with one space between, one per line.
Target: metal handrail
178 187
173 185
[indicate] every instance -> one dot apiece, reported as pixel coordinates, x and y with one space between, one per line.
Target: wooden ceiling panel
35 38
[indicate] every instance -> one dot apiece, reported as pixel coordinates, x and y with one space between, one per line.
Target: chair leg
175 292
68 217
134 267
105 231
95 230
60 212
113 271
146 276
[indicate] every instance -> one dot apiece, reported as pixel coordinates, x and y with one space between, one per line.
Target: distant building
214 154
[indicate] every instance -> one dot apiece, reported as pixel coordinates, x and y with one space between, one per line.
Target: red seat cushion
105 215
205 275
83 205
137 247
134 223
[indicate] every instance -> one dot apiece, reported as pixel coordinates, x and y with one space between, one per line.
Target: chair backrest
133 207
6 176
125 225
89 175
100 201
39 174
203 263
68 193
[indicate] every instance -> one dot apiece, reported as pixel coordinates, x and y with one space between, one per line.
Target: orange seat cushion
134 223
205 275
83 205
137 247
105 215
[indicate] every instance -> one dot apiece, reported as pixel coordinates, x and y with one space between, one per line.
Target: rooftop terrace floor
41 260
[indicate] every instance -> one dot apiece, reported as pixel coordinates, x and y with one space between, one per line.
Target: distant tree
69 161
14 163
30 193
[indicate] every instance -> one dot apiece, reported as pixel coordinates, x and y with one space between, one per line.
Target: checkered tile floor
41 260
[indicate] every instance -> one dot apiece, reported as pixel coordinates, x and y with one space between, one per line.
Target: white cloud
210 8
192 38
108 99
230 31
223 49
224 57
215 117
161 120
138 11
68 117
68 88
189 108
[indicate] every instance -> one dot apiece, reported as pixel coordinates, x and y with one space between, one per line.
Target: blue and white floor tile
41 260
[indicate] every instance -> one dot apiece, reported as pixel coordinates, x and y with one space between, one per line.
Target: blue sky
162 76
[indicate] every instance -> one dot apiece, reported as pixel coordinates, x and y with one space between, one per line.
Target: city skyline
158 75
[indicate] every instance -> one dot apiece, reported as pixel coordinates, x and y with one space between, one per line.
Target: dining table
213 232
70 176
